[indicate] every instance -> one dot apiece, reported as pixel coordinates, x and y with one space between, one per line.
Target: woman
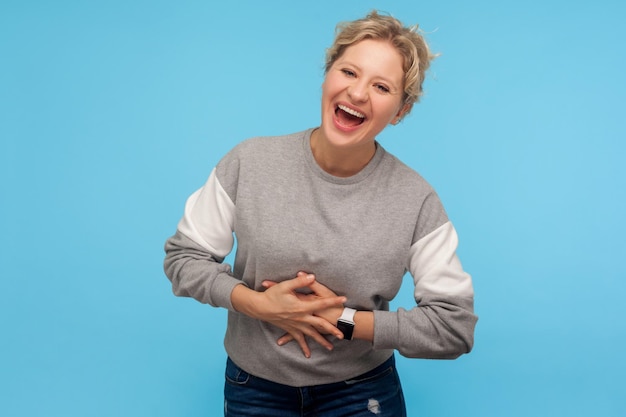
327 223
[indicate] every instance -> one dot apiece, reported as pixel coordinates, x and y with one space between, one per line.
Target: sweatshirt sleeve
194 255
442 324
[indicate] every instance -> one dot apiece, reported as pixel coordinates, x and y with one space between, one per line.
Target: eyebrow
380 77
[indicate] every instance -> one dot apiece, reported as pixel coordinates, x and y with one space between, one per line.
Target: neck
340 161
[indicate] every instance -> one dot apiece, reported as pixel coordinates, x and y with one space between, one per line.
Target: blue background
113 112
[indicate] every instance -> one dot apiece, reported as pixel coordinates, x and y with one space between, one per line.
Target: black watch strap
346 323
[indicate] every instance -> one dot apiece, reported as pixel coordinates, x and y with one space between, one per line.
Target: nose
357 91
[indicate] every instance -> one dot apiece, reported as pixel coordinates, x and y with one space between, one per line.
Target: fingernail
310 276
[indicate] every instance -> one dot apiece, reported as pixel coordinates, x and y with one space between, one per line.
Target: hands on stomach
299 315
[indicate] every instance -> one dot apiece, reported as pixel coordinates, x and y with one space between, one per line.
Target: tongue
347 119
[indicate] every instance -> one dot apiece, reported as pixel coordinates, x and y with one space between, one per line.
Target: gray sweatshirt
358 235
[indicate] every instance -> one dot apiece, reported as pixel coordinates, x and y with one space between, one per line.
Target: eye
348 72
382 88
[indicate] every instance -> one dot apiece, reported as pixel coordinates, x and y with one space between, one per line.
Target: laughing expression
362 93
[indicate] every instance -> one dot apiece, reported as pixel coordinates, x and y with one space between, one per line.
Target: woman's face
362 93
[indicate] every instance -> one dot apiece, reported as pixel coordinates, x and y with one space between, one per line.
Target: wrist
244 300
364 325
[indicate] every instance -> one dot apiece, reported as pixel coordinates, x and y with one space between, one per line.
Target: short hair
408 41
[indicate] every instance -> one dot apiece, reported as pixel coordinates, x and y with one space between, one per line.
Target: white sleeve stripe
209 218
435 267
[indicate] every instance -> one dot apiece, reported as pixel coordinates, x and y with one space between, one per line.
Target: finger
318 288
316 303
315 335
321 290
284 339
323 303
324 327
303 344
269 284
301 280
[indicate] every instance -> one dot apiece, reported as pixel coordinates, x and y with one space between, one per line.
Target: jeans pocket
235 375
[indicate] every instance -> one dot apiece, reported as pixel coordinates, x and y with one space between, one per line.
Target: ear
401 113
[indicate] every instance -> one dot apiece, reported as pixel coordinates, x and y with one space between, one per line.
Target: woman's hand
330 314
282 306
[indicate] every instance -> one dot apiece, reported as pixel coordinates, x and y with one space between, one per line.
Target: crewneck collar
358 177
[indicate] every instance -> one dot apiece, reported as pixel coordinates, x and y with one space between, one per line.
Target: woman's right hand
289 310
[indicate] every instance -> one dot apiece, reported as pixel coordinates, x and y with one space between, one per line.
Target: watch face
346 328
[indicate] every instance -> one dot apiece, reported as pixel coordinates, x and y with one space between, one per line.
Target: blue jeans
376 393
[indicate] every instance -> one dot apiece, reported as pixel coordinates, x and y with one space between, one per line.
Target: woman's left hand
330 314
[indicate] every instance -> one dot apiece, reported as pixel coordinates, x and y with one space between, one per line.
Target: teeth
352 112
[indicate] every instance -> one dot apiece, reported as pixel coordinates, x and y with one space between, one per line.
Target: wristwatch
346 323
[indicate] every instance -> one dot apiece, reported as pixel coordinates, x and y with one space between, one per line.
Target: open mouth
348 117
